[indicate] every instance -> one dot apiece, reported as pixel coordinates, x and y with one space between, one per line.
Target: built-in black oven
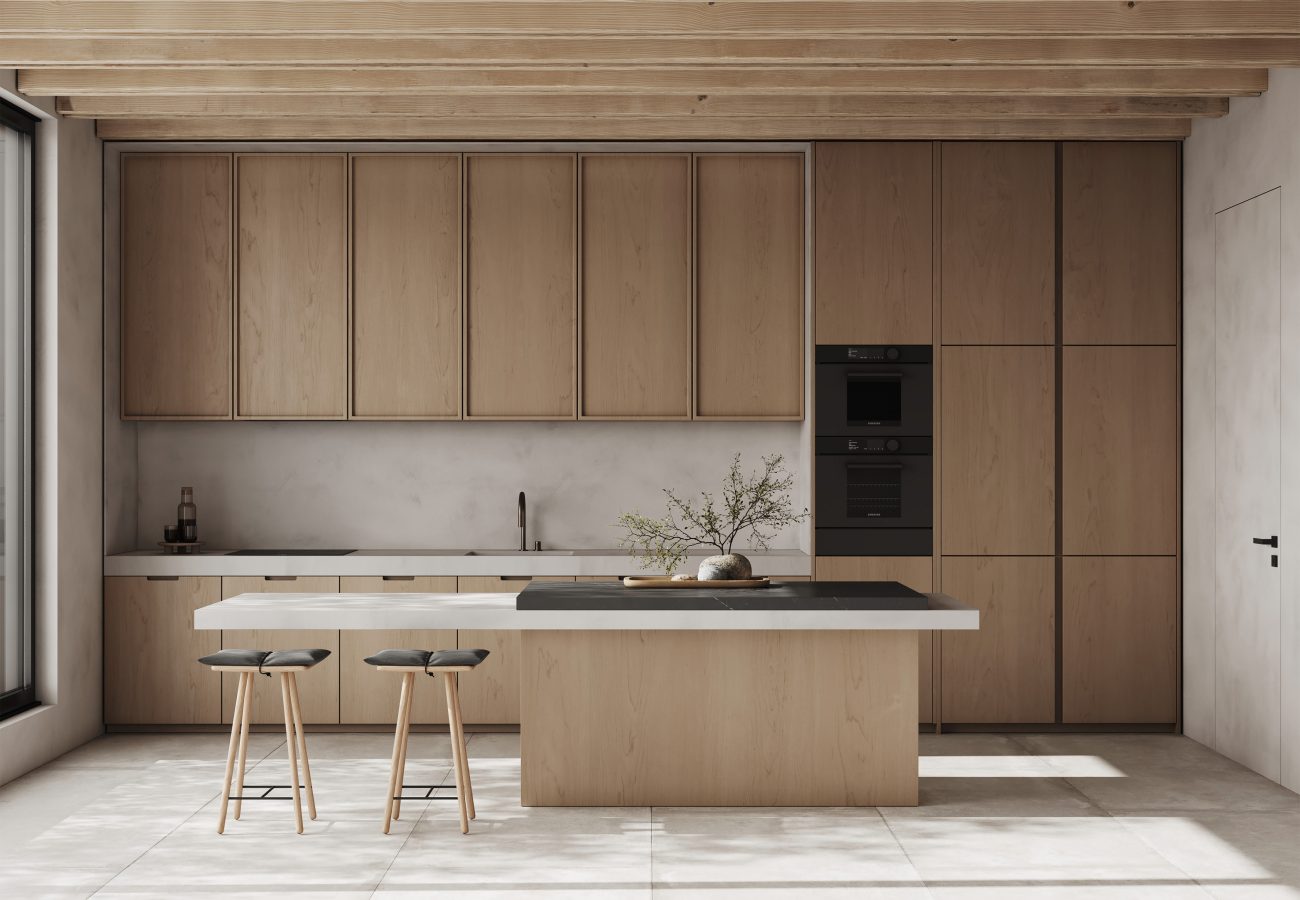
874 390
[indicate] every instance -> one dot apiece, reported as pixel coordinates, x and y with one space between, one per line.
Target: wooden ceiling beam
44 50
641 106
594 128
1143 82
944 17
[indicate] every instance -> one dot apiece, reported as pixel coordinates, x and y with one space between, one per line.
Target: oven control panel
875 445
866 353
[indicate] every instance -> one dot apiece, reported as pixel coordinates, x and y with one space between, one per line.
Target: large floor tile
141 751
33 881
36 802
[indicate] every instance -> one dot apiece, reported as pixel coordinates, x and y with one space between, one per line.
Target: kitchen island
803 698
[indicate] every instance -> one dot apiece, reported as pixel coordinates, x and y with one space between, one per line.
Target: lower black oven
874 496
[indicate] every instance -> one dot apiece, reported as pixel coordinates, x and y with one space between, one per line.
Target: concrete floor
1070 816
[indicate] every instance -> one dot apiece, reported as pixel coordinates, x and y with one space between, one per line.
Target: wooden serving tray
663 581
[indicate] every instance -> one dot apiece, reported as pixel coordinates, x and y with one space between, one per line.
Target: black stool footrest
266 790
428 791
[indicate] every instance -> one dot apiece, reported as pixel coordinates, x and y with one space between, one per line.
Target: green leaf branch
757 504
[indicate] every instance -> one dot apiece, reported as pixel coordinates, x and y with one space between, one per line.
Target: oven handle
874 466
874 376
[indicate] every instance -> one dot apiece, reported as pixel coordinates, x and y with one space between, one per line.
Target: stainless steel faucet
523 522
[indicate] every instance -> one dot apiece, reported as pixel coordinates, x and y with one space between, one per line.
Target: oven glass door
874 400
867 491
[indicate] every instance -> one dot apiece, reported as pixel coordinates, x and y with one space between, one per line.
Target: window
17 688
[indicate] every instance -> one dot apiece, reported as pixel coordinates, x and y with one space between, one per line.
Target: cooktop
809 595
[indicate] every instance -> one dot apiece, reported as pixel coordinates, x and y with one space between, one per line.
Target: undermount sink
518 552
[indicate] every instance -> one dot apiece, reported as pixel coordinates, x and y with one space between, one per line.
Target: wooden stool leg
244 728
397 750
293 752
302 741
236 718
406 739
452 718
464 755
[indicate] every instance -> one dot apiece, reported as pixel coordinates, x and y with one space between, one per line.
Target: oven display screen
874 399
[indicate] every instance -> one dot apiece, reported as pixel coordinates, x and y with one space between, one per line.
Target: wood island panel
874 242
406 336
368 696
917 572
318 686
177 285
719 718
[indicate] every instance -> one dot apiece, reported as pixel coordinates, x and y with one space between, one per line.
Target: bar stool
248 663
449 664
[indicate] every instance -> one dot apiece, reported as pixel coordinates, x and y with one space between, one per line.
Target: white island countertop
497 611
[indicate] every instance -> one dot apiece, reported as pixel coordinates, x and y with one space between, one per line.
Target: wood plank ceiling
643 69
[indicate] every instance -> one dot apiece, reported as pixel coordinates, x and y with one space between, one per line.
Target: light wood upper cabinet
1119 450
177 293
998 247
1119 658
292 322
1119 242
874 242
749 286
318 687
1006 671
521 305
151 651
916 572
998 448
636 286
406 337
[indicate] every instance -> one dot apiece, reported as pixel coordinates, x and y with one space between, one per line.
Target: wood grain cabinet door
874 226
292 321
1006 671
636 286
998 451
1119 242
521 300
916 572
318 686
998 247
1119 450
490 694
749 286
177 289
368 696
406 335
151 651
1119 654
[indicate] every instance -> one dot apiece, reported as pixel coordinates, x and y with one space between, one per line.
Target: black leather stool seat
264 659
427 659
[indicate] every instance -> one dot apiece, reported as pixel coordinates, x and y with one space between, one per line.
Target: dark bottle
187 515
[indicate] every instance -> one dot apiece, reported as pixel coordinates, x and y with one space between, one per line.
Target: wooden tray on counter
663 581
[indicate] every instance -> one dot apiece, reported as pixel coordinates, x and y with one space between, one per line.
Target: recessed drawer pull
398 577
516 578
279 577
162 578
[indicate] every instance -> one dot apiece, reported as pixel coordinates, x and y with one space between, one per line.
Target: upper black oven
870 390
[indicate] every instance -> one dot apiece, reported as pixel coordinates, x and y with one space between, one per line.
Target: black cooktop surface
804 595
299 552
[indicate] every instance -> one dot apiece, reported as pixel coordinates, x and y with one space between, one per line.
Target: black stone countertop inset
800 595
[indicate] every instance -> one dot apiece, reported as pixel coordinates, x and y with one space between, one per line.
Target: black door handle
1267 542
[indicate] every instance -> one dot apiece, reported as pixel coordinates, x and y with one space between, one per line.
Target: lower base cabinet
368 696
317 688
917 572
490 694
151 676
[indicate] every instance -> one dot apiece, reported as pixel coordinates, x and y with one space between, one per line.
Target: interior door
1248 482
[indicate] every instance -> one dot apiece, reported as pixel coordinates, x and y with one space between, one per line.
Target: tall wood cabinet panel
1119 660
521 300
368 696
490 694
318 687
917 572
406 336
998 246
1119 242
635 263
874 239
998 451
292 322
177 292
1119 450
749 286
150 647
1006 671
